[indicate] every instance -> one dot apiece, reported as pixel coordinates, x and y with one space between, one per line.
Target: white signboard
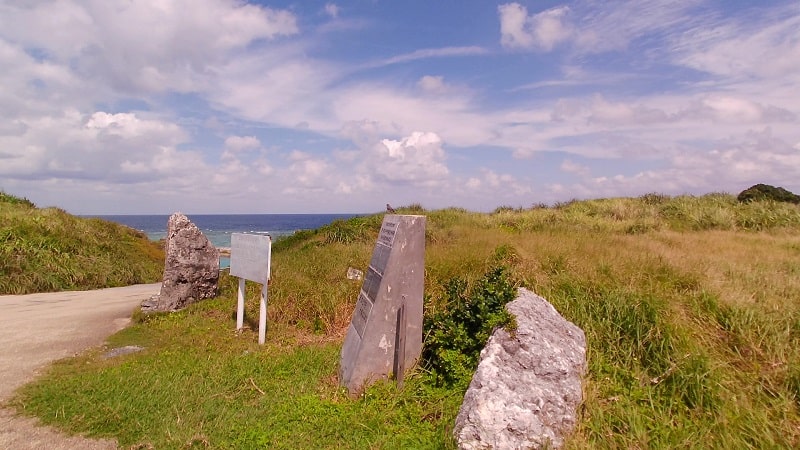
250 259
250 256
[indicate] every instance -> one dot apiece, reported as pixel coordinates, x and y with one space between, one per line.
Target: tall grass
44 250
691 308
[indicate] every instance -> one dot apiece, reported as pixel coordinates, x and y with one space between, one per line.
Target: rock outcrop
527 388
191 269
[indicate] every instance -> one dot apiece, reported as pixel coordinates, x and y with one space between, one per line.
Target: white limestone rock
527 388
191 269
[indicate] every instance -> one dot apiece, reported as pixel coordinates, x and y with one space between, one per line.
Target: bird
389 209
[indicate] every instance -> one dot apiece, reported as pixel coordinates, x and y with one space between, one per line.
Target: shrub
456 334
654 198
767 192
506 209
414 208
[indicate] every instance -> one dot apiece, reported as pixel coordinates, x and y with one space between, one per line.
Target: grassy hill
44 250
691 308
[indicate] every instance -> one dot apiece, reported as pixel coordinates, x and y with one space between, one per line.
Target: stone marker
527 388
389 307
119 351
354 274
191 269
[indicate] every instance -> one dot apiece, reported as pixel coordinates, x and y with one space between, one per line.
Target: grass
47 249
691 308
199 383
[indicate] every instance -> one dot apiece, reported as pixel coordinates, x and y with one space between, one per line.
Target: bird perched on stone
389 209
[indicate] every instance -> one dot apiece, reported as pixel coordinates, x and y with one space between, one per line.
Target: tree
767 192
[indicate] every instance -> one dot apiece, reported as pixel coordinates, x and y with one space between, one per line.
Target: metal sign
251 255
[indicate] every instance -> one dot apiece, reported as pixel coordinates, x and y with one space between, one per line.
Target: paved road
37 329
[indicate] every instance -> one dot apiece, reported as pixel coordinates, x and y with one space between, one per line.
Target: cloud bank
229 106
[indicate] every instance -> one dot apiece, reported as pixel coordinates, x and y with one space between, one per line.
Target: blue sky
223 106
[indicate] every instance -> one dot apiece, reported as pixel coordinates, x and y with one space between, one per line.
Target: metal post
400 347
240 305
262 320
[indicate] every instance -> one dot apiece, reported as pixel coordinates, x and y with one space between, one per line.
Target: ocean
218 227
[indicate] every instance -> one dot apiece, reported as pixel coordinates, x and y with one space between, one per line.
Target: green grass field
47 249
691 308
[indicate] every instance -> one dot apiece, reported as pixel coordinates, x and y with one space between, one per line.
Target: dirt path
37 329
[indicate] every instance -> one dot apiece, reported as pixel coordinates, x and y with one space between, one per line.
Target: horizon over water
219 227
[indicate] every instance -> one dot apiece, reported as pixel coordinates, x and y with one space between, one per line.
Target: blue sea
218 227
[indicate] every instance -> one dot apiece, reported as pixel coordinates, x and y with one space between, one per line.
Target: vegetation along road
37 329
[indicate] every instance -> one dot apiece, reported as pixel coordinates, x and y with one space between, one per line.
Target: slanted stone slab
385 334
191 269
119 351
527 388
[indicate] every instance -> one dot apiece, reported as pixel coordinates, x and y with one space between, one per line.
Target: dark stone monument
385 334
191 269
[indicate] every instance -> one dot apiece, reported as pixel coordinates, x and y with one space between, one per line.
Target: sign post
251 256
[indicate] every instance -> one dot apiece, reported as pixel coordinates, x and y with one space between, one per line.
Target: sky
228 106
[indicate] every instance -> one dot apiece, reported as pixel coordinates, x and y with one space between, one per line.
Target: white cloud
242 143
263 167
143 46
416 159
605 27
496 188
737 110
621 113
282 88
394 111
426 53
595 27
100 146
430 83
308 172
731 165
246 71
756 46
570 166
332 10
129 126
542 31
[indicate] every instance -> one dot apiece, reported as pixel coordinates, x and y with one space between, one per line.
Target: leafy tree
767 192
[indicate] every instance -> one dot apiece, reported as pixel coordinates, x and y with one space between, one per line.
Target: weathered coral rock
527 388
191 269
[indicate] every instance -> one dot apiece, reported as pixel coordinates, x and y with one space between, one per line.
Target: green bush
767 192
456 333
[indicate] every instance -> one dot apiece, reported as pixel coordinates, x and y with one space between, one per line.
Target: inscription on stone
363 308
371 284
388 231
379 258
